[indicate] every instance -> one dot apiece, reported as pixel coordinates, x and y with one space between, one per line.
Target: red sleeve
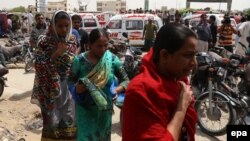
143 120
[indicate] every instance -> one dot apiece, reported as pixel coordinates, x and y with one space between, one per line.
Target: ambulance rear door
134 29
115 26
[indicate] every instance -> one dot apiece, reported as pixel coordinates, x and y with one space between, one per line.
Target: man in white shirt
30 19
244 32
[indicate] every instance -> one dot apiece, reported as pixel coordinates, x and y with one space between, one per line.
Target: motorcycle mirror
125 35
111 41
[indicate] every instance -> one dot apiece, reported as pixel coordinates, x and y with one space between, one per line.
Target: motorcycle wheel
214 123
1 87
29 65
27 57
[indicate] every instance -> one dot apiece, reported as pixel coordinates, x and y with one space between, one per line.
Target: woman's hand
186 97
115 94
175 124
80 88
118 90
61 48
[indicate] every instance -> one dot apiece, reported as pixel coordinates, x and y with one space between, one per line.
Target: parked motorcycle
29 58
132 59
12 54
3 72
220 105
131 64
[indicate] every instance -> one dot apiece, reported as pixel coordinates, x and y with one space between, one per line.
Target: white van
89 21
133 25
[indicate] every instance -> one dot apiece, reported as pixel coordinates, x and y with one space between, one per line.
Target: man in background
204 34
227 31
30 20
39 28
149 34
83 35
244 34
213 28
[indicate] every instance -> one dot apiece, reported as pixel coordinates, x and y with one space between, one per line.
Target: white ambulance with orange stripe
89 21
133 25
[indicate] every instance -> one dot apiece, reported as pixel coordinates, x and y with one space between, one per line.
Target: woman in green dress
92 74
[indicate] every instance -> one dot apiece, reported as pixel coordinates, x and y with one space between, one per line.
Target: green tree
75 10
247 11
18 9
185 10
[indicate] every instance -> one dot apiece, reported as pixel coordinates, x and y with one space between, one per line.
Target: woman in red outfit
159 103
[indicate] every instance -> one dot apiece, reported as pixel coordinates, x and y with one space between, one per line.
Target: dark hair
227 20
202 15
61 15
177 14
76 17
38 15
171 37
96 34
248 17
243 19
212 17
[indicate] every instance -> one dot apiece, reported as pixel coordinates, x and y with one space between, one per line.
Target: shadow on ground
21 96
2 100
15 66
202 134
116 128
31 71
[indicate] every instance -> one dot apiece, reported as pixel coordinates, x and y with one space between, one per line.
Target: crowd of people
74 71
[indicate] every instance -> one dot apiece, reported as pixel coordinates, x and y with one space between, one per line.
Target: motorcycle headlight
220 72
234 63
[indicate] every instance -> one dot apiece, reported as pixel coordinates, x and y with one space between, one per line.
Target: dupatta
100 73
97 79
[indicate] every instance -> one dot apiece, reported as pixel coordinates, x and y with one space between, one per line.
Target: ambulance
89 21
133 25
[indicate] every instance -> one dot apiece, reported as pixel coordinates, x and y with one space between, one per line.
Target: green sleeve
120 72
155 28
145 26
74 71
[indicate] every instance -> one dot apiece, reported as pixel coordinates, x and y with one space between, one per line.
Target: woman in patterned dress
54 56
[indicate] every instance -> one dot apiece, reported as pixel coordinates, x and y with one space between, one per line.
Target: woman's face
180 63
62 27
99 46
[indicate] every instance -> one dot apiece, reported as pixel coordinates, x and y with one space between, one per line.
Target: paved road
20 82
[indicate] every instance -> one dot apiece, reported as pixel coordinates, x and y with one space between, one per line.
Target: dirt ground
16 113
21 119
